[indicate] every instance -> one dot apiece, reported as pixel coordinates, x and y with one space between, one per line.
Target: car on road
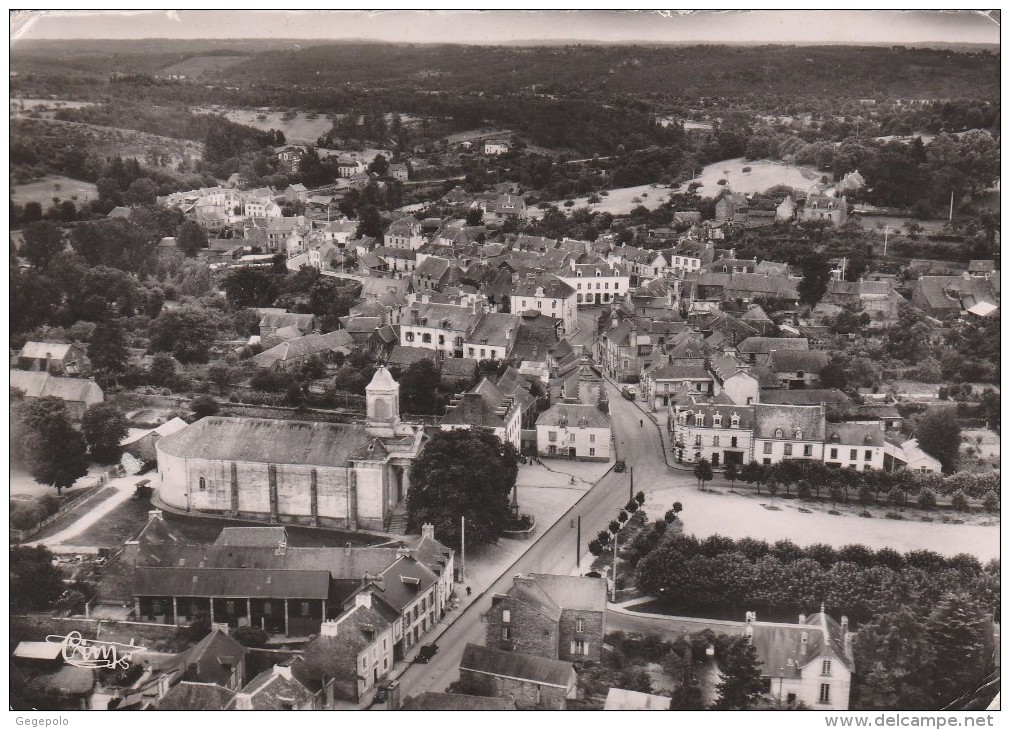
629 392
381 693
426 653
619 465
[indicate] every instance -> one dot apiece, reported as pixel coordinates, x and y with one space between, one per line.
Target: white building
486 406
722 434
496 147
597 283
788 432
404 233
575 432
809 661
440 327
547 295
493 337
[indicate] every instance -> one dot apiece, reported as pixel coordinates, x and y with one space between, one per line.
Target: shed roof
534 669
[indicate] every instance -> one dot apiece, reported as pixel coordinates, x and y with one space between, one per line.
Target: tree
248 287
369 222
939 435
52 450
107 350
104 427
957 631
990 501
731 473
39 582
203 406
703 472
741 685
418 387
42 241
959 501
927 499
190 238
252 637
680 665
117 243
187 333
220 375
161 371
463 473
895 662
816 273
380 166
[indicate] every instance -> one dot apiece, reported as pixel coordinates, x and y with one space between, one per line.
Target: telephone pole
578 542
631 484
613 591
462 548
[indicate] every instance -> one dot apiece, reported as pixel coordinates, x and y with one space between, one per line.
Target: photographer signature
92 654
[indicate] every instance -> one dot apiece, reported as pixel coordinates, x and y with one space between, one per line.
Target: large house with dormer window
596 283
547 295
720 433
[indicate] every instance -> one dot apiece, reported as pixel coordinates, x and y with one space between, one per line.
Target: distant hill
870 71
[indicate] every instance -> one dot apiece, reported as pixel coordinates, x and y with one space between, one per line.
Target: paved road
555 551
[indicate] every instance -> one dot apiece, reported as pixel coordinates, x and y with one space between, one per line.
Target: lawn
73 515
125 522
763 174
621 201
299 129
43 190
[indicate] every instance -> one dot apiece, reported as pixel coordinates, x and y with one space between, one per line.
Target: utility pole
887 229
951 217
462 548
578 542
613 591
631 484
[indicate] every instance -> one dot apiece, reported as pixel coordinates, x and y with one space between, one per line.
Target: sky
503 26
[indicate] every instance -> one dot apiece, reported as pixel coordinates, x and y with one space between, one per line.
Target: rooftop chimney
282 670
803 618
428 531
347 549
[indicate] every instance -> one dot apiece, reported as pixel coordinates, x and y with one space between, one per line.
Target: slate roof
626 699
790 361
780 646
251 537
45 350
572 592
403 581
271 688
480 406
574 414
306 346
452 702
203 661
444 316
679 372
406 356
855 434
495 328
533 669
764 345
947 292
40 385
554 288
277 320
196 696
710 409
231 582
459 367
770 417
265 441
337 656
809 396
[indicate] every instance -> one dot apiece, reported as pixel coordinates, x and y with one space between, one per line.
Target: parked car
619 465
629 392
427 652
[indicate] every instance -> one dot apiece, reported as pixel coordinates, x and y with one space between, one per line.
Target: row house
435 273
548 295
798 368
440 327
486 406
531 682
765 433
552 616
856 445
261 207
722 434
574 431
404 233
400 262
618 350
596 283
493 336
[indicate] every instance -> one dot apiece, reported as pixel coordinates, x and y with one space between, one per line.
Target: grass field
43 191
621 201
299 129
763 174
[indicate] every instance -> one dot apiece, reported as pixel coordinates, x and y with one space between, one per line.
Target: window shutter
573 648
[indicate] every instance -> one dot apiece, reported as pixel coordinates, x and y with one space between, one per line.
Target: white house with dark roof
721 433
440 327
574 431
493 337
856 445
809 661
595 283
547 295
486 406
404 233
788 432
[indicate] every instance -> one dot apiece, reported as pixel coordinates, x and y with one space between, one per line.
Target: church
347 476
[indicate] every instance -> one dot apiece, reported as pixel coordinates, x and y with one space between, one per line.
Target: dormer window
734 421
779 433
798 435
717 420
